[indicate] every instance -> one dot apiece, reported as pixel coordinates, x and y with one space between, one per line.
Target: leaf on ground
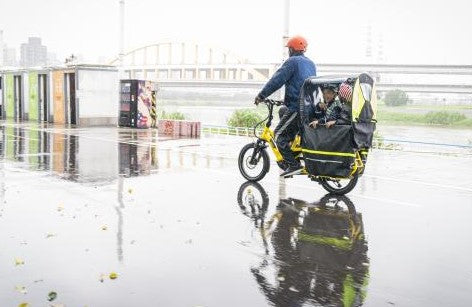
19 261
113 275
21 289
104 227
23 305
130 191
50 235
52 296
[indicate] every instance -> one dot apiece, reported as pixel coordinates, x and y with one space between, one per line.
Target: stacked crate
179 128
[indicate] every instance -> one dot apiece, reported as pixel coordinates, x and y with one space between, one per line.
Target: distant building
9 56
33 53
2 46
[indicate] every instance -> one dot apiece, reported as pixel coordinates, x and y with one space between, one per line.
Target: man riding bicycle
292 74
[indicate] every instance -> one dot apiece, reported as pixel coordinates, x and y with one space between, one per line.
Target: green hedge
245 118
171 115
444 117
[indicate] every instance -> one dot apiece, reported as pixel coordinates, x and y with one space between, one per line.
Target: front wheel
339 186
253 162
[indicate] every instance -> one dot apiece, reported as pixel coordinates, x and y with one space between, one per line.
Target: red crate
169 127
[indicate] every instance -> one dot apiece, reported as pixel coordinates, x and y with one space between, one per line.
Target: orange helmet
297 43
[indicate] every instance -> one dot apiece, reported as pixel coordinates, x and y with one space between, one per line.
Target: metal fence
379 142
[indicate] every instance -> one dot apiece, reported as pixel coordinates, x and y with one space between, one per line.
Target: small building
85 95
81 95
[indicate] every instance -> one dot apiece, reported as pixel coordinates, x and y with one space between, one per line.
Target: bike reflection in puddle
316 252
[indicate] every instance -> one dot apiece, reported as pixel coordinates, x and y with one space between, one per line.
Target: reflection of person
292 74
319 254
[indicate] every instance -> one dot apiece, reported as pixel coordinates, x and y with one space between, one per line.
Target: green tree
396 98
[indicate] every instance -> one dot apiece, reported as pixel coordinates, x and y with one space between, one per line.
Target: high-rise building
33 53
9 56
2 46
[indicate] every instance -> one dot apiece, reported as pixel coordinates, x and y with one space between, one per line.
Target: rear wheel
339 186
253 162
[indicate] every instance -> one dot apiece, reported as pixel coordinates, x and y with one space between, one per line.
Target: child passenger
327 112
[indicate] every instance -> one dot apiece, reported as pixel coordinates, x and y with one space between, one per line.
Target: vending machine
138 104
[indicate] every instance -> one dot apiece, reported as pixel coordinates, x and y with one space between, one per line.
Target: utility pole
122 37
286 29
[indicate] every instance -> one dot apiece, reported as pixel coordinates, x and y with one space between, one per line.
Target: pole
286 29
122 36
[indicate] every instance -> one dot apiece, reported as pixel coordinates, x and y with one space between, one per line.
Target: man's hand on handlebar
258 100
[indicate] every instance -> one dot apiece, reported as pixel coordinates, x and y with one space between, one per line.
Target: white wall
97 93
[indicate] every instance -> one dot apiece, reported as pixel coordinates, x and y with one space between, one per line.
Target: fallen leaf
104 227
52 296
113 275
21 289
23 305
50 235
130 191
19 261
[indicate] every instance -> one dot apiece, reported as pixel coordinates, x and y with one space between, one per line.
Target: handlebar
272 102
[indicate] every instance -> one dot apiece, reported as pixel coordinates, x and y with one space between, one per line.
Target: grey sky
412 31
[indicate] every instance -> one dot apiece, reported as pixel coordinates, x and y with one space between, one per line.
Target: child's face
328 95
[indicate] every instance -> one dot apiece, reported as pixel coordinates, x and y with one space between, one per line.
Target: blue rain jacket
292 73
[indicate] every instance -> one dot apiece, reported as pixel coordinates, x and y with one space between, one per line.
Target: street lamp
286 28
122 37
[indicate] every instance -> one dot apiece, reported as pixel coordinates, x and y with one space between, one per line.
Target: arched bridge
189 64
190 61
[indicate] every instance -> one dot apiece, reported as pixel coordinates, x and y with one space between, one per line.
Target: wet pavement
178 225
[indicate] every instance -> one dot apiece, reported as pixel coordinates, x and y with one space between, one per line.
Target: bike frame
268 136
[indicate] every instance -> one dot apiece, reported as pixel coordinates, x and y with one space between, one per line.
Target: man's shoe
292 170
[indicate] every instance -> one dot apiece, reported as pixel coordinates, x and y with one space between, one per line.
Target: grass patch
435 118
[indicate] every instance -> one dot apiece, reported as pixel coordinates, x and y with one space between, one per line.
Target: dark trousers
285 133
